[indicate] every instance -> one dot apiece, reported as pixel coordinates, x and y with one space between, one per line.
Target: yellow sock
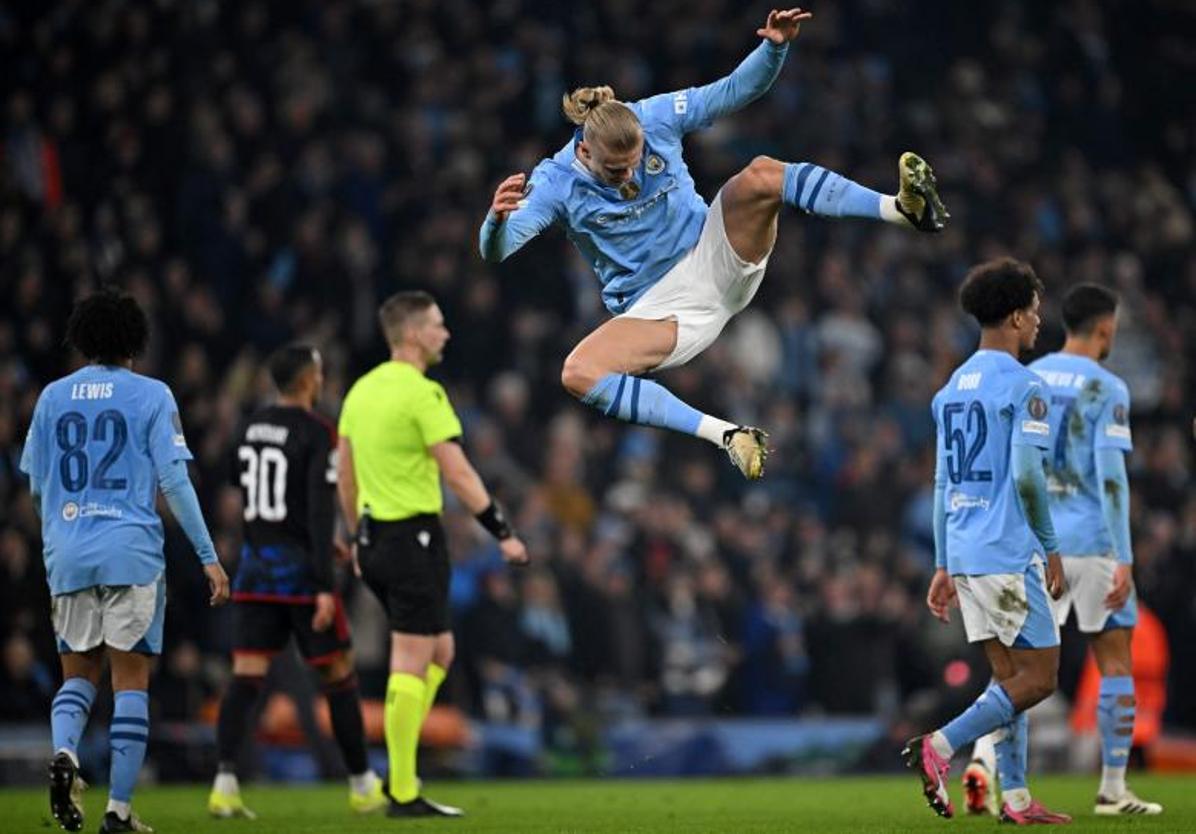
404 714
432 681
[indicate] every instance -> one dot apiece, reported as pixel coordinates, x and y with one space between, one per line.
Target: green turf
740 806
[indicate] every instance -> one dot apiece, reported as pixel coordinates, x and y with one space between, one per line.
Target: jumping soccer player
1089 489
284 584
674 270
992 528
102 442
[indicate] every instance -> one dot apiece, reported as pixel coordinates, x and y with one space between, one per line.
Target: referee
398 432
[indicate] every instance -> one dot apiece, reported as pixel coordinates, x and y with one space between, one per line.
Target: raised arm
700 106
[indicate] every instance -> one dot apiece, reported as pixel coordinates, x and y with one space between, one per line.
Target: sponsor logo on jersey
654 165
963 501
1118 432
92 509
424 538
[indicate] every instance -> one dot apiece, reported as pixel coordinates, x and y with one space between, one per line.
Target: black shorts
265 627
406 565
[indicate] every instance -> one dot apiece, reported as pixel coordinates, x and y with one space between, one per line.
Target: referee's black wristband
495 521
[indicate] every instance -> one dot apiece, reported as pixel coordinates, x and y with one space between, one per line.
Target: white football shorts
703 291
1012 607
1089 580
125 617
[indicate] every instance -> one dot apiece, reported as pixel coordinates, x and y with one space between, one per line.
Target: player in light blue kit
102 442
673 270
992 530
1089 488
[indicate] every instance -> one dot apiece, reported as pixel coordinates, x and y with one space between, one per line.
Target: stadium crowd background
261 172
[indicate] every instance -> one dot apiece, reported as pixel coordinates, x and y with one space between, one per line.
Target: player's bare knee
578 376
761 179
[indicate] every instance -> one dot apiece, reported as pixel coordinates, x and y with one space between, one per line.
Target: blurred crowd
259 172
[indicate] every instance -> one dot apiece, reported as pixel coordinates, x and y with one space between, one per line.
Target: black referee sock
236 710
344 705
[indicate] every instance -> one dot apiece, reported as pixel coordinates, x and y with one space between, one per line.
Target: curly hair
995 289
108 327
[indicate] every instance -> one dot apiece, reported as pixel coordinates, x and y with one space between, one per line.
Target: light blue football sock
1115 719
990 711
815 190
643 402
128 738
69 713
1012 747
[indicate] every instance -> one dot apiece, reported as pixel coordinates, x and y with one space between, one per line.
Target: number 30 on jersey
264 478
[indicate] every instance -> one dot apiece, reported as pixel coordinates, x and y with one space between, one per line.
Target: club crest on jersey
1037 407
654 165
70 511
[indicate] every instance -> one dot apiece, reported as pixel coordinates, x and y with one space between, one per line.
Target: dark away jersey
284 464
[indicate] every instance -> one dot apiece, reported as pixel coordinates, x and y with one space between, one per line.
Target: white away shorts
125 617
703 291
1012 607
1089 580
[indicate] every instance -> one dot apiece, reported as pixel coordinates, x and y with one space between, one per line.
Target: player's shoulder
662 111
147 385
1046 362
1114 386
553 174
1022 381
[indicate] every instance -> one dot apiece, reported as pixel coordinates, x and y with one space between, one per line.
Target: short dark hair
398 310
288 363
108 327
1085 304
995 289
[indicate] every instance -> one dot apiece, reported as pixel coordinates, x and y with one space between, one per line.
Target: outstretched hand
782 27
508 196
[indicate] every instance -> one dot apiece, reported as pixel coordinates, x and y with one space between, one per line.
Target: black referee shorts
265 627
406 565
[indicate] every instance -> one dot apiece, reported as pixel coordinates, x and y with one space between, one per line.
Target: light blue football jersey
991 404
1090 410
632 244
96 442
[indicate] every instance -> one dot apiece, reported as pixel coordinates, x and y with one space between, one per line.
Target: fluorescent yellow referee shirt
390 417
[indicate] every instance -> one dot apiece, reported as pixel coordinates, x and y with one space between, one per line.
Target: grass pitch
739 806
